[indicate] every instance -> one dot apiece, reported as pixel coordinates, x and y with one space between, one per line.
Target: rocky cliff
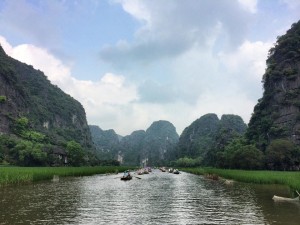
208 135
277 114
159 143
107 142
26 92
155 146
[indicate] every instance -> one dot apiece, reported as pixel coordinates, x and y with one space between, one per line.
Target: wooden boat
278 198
126 178
162 169
176 171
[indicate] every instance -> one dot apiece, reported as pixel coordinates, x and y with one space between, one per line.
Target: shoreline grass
289 178
23 175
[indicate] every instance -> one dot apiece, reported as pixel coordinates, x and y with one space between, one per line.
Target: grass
289 178
22 175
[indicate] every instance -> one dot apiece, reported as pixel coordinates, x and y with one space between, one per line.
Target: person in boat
126 174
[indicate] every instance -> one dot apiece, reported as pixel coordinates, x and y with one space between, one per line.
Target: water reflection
157 198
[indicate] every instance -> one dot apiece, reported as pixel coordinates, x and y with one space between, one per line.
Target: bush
188 162
2 98
282 154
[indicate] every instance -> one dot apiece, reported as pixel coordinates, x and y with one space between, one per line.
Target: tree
75 153
282 154
240 155
30 153
248 158
188 162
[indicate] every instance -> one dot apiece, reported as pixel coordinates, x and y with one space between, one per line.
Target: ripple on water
157 198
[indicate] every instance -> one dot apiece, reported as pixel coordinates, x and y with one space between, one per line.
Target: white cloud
107 98
248 62
250 5
292 4
186 59
170 28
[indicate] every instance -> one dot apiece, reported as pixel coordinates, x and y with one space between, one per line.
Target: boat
176 171
162 169
279 198
126 176
129 177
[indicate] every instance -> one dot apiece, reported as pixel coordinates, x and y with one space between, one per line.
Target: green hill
208 135
33 110
277 115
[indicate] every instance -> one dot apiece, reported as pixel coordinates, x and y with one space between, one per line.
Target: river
157 198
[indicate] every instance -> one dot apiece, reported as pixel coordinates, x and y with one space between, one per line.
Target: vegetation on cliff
206 138
274 127
155 146
38 121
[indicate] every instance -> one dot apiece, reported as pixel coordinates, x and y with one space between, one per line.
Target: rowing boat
279 198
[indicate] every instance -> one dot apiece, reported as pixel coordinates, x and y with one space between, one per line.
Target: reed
21 175
289 178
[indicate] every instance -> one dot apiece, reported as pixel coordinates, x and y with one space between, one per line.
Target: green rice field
289 178
21 175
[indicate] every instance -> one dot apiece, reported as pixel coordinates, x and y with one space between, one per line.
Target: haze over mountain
155 146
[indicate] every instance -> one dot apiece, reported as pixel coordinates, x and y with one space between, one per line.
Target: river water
157 198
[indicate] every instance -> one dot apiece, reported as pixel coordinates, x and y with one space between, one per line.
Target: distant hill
277 113
27 98
155 146
159 143
107 142
208 135
131 147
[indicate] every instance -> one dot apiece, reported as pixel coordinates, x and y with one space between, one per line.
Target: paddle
298 193
138 177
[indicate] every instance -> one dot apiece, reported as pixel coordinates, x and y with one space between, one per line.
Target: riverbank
289 178
22 175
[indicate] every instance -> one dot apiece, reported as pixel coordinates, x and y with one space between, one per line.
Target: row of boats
170 170
128 176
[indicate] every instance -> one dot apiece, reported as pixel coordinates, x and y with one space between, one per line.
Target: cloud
186 58
30 19
170 28
292 4
250 5
105 101
246 66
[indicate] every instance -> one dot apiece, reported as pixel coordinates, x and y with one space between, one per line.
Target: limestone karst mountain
277 113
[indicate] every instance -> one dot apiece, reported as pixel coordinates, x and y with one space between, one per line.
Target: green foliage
187 162
21 175
21 125
208 136
6 144
240 155
34 136
2 98
30 153
36 99
75 153
280 93
291 179
282 154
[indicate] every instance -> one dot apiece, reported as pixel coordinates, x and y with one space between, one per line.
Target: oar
298 193
137 177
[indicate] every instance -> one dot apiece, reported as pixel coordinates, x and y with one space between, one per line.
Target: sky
133 62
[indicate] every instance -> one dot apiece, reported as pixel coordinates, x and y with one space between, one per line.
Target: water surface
157 198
